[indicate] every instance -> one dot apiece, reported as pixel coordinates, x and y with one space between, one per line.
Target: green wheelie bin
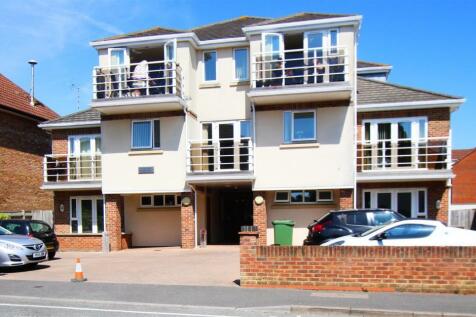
283 232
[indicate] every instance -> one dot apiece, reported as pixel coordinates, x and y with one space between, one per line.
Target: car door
407 235
43 232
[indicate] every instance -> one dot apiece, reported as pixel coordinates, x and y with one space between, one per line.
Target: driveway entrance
210 266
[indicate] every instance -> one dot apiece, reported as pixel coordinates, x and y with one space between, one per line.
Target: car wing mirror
380 237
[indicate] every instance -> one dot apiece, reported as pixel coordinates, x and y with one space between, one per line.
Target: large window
240 57
87 214
410 202
146 134
210 61
303 196
299 126
160 200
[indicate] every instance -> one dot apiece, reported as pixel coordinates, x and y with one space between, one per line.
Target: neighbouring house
22 148
243 122
463 191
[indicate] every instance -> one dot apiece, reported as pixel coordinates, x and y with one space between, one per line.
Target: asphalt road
34 298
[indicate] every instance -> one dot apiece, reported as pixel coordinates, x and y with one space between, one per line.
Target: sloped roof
365 64
225 29
84 116
459 154
303 16
371 91
148 32
14 98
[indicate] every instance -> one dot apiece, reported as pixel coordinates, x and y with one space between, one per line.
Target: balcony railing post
45 169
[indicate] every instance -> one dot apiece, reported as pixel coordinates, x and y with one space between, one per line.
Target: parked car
411 232
18 250
340 223
34 228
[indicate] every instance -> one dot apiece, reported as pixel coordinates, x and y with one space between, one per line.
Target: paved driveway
213 265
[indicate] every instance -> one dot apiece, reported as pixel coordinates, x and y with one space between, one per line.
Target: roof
12 97
463 189
365 64
225 29
459 154
88 116
371 91
303 16
148 32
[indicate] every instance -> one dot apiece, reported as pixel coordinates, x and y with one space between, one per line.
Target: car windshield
366 233
4 231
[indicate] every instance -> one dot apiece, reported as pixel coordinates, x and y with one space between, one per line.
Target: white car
409 233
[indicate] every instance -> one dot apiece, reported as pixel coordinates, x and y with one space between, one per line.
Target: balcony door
170 49
84 157
410 202
273 56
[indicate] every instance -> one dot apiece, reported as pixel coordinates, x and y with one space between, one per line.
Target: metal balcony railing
71 168
137 80
223 155
300 67
390 154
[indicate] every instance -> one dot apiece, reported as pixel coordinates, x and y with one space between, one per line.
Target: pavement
212 266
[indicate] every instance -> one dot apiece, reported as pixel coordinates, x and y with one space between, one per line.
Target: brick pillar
187 223
114 205
248 243
439 192
346 198
260 217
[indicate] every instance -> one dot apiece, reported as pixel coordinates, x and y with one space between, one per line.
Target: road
36 298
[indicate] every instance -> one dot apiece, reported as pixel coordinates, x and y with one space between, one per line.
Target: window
410 202
210 61
38 227
299 126
384 217
353 218
281 197
409 231
146 134
160 200
325 195
303 196
240 57
87 214
117 56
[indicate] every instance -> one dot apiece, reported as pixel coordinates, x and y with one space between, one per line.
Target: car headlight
10 246
336 243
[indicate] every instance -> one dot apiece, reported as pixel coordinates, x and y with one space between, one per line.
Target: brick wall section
22 147
435 191
80 242
114 205
346 199
59 138
402 269
464 185
187 223
260 217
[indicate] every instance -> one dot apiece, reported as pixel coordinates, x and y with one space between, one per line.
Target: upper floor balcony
67 171
300 75
138 87
404 159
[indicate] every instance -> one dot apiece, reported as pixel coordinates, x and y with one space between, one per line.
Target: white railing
223 155
69 168
389 154
300 67
137 79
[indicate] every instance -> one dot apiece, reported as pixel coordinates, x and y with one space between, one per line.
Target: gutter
68 125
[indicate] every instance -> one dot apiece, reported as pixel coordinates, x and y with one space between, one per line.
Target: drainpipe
195 214
354 97
253 109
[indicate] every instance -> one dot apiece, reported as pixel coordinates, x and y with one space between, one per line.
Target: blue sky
431 44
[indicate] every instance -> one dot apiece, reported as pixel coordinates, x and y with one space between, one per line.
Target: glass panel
404 204
333 35
404 130
87 215
325 195
304 126
73 208
169 200
241 64
146 201
38 227
410 231
158 200
117 57
384 144
227 150
272 43
74 226
367 200
296 197
179 200
367 131
210 65
245 129
404 146
315 42
100 215
309 196
384 200
287 126
141 134
422 128
169 51
381 218
98 144
157 133
282 196
421 202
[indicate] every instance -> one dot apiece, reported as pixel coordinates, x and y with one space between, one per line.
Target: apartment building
242 122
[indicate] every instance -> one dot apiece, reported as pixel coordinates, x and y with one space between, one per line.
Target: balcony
298 75
404 159
63 171
137 87
222 160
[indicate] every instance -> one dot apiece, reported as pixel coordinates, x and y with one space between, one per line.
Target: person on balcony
140 79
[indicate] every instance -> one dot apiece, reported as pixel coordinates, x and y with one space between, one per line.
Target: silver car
18 250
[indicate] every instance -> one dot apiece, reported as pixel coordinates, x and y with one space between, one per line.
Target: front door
410 202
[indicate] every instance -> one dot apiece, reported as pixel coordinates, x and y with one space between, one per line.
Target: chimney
32 62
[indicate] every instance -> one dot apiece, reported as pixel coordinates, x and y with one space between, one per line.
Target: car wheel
32 265
51 255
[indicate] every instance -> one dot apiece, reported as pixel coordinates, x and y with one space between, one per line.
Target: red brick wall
260 217
22 146
59 138
114 207
346 199
464 185
435 191
80 242
187 219
403 269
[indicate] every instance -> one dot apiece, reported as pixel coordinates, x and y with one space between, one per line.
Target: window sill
299 145
145 152
237 83
212 84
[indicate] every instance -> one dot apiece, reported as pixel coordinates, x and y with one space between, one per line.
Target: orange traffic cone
78 273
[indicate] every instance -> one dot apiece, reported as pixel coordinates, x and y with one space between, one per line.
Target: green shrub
4 216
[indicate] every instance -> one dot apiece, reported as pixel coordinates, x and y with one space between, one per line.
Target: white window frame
126 55
152 140
281 43
325 200
205 68
293 140
394 199
78 217
247 63
276 200
415 123
176 204
76 139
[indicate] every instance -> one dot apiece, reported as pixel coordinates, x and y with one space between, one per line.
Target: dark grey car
18 250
